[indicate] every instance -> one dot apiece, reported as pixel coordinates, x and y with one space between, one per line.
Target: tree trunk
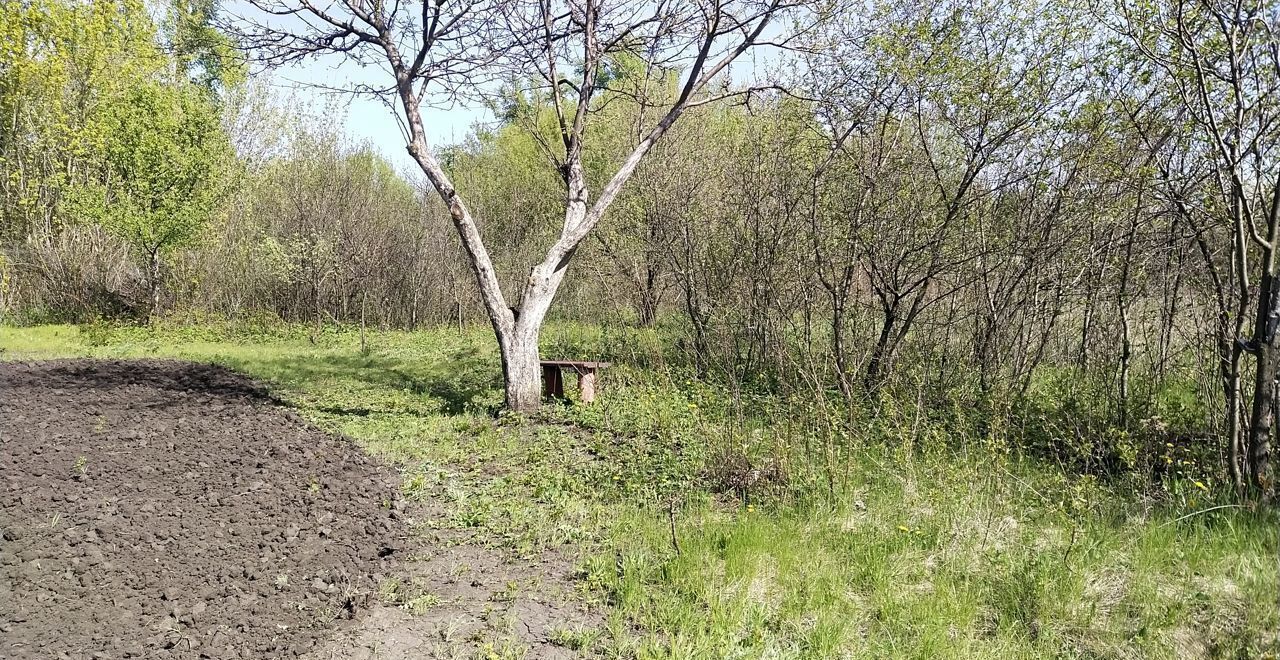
1268 362
1122 306
1229 357
984 352
154 281
518 333
1260 420
878 364
520 369
364 345
649 298
1082 360
838 352
1266 326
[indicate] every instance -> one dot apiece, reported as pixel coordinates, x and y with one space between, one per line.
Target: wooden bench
553 381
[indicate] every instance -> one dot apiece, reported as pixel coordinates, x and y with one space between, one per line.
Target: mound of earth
166 509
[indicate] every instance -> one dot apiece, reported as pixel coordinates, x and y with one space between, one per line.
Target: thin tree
1218 64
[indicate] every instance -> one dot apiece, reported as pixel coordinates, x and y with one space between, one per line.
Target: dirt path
165 509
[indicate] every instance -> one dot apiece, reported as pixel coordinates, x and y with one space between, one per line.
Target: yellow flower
1201 486
751 508
904 528
693 406
616 478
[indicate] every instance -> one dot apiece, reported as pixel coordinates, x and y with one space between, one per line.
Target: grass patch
714 534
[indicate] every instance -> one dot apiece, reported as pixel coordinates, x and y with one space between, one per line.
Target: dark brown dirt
164 509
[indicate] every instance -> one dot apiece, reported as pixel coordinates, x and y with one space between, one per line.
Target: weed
574 639
80 469
420 603
508 594
412 597
389 591
507 650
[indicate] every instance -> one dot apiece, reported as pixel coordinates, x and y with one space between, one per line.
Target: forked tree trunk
518 331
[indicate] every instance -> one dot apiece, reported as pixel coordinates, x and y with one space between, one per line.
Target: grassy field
710 532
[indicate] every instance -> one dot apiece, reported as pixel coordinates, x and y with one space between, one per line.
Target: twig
1075 531
671 515
1196 513
1025 484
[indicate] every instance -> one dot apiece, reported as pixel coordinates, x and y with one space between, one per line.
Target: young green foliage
160 181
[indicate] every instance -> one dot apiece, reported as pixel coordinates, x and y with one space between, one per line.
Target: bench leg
587 386
552 383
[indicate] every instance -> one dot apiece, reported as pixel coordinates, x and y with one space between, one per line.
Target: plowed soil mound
166 509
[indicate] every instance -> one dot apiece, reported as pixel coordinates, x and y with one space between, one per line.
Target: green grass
708 533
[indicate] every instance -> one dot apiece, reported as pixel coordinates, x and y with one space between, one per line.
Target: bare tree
433 50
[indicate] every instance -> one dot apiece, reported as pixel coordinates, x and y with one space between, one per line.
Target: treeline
110 142
1055 225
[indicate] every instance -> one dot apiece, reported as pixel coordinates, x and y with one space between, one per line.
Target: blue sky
365 118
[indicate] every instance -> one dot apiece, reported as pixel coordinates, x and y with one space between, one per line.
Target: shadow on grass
448 382
169 375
